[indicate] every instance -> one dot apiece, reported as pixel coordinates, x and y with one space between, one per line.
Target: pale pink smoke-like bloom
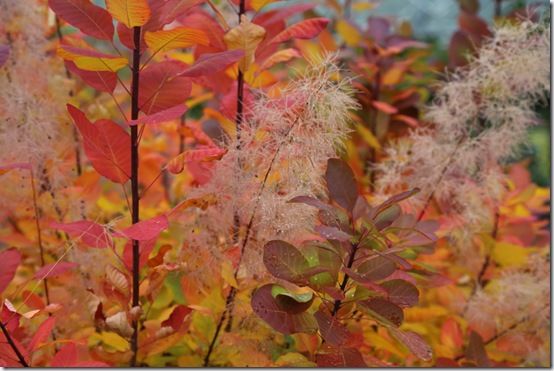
480 119
33 123
294 134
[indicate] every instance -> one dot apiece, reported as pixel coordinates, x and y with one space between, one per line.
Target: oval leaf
305 29
106 144
341 183
87 17
280 318
377 268
284 261
132 13
92 234
401 292
146 229
212 63
384 311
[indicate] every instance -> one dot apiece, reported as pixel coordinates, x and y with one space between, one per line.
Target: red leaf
9 317
54 269
476 351
162 116
89 18
339 357
266 19
331 329
66 356
177 164
106 144
177 317
9 261
92 234
305 29
15 165
161 88
146 230
90 364
42 333
228 105
175 8
213 62
99 80
4 54
475 26
145 248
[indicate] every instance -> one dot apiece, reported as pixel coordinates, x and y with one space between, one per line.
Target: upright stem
345 279
135 184
75 134
39 236
14 347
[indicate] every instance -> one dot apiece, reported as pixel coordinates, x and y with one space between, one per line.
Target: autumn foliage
263 183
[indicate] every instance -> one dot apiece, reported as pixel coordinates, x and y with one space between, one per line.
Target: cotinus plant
355 265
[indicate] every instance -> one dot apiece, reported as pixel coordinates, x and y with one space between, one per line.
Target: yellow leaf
393 76
161 345
259 4
363 6
511 255
256 79
349 33
380 342
131 13
368 136
228 126
416 314
181 37
114 341
246 36
228 274
93 63
293 360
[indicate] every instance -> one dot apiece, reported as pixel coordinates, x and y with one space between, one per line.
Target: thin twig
14 347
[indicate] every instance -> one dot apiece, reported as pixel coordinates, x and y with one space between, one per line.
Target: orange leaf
181 37
384 107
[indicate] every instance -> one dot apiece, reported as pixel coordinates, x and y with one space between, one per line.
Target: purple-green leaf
285 261
283 313
341 183
401 293
376 268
